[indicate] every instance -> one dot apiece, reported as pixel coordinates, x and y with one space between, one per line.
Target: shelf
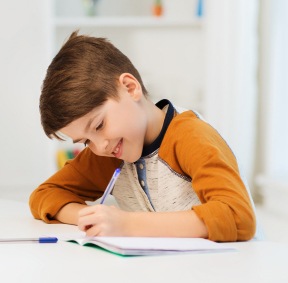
126 22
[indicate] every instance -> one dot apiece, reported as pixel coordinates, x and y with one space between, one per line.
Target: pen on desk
110 185
30 240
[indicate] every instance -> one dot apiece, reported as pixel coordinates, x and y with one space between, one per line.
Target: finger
93 231
87 220
85 211
88 227
89 210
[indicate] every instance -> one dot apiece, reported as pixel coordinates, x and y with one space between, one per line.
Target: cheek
128 123
134 130
135 124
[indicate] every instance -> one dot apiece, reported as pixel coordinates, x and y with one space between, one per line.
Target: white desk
67 262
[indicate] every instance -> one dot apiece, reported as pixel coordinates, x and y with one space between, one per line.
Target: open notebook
147 245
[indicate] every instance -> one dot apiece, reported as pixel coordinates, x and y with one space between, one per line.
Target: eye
100 126
86 142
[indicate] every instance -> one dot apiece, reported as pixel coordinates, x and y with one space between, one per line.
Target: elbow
31 199
34 205
247 226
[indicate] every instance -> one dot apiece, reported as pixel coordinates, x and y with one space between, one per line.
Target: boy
178 176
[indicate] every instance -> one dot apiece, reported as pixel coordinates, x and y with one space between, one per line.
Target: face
115 129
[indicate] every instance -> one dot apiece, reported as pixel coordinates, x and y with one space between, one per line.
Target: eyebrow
87 127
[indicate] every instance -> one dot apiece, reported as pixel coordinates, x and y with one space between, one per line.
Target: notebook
146 245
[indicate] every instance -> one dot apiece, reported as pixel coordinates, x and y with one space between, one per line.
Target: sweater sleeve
81 179
203 155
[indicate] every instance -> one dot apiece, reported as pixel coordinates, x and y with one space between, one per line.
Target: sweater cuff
219 220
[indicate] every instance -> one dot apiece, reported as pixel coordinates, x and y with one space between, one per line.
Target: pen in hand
110 185
108 190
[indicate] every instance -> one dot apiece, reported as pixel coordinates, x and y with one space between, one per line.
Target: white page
167 244
147 243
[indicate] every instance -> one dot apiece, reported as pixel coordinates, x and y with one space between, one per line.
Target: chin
133 159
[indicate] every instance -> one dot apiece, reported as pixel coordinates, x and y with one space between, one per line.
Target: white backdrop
231 75
272 169
22 68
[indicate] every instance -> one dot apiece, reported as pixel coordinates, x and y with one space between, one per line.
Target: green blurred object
90 7
70 154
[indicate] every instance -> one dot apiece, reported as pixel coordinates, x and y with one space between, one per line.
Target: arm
167 224
81 179
202 154
101 220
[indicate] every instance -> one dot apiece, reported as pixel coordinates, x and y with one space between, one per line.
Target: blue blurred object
200 8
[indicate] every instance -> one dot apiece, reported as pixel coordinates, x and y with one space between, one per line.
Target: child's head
83 75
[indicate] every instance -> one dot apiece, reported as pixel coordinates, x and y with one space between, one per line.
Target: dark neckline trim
168 118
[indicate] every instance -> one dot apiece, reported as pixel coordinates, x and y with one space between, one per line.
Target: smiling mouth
116 150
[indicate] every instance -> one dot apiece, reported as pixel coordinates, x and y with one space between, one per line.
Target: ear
132 86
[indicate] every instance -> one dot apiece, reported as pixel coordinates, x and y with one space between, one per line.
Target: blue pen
30 240
110 185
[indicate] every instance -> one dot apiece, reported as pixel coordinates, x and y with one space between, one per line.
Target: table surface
68 262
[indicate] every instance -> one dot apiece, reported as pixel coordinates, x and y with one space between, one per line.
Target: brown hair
82 76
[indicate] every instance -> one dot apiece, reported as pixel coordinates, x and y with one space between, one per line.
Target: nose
103 146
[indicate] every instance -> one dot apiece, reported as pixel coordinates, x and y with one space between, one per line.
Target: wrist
69 213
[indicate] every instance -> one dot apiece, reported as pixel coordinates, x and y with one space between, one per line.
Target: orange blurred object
157 9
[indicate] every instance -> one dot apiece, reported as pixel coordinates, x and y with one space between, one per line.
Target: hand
102 220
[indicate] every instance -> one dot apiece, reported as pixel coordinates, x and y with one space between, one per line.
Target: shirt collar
168 118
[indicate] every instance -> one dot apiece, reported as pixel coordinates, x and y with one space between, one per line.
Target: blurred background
226 59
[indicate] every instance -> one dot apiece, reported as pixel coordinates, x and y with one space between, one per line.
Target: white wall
231 75
22 69
272 167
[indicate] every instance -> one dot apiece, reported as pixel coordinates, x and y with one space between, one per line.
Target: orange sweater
189 166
